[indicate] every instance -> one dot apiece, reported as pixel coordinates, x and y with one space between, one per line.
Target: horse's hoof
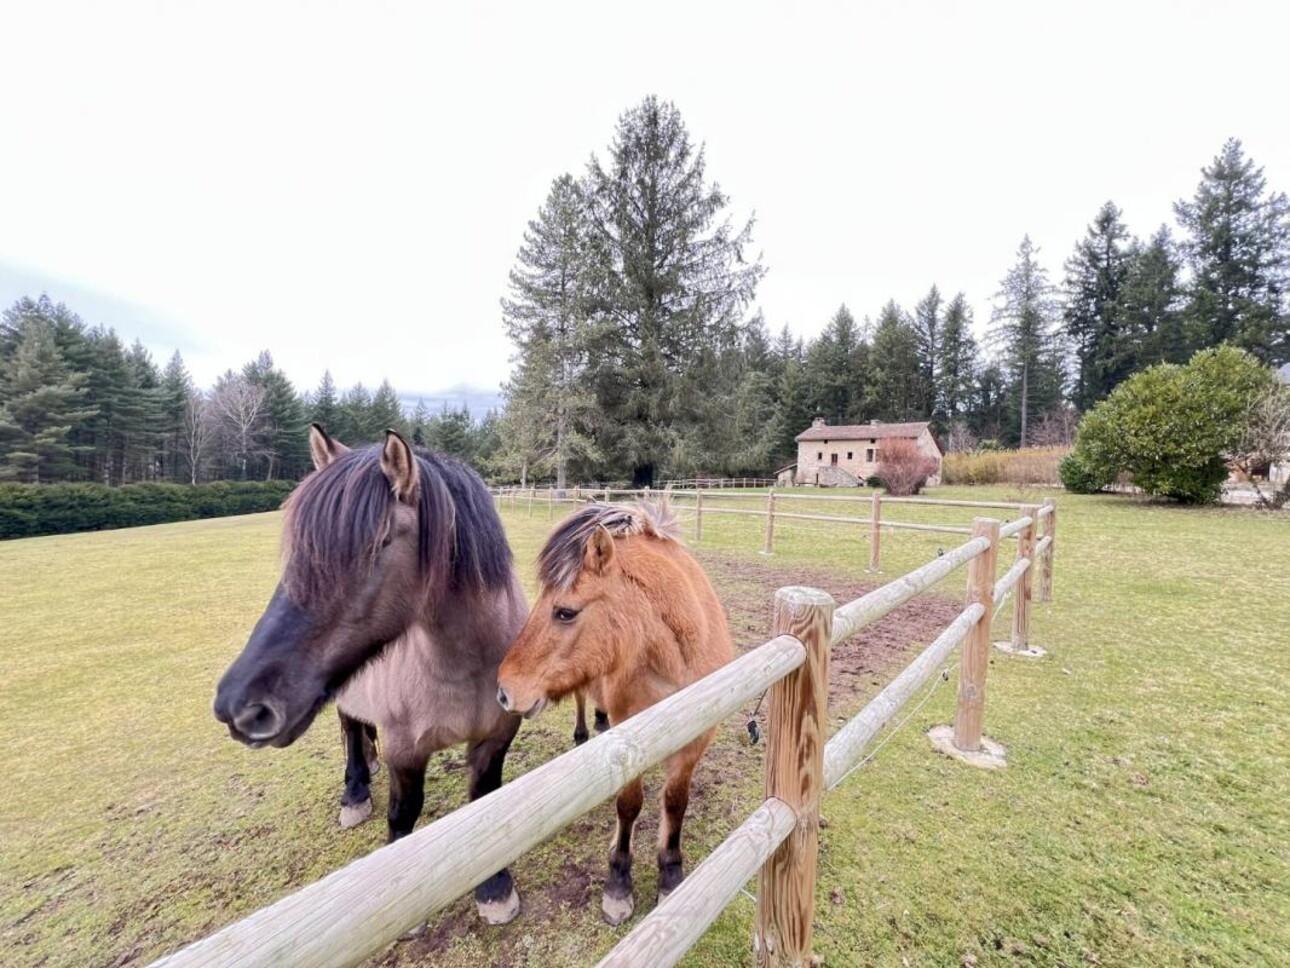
579 738
617 909
353 814
500 912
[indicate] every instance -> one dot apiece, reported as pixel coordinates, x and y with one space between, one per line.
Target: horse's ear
600 551
323 448
400 467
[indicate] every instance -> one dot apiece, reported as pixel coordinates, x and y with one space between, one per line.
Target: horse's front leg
618 903
580 733
496 899
675 799
360 764
407 791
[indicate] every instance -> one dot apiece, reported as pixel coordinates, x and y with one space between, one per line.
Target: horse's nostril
259 721
504 699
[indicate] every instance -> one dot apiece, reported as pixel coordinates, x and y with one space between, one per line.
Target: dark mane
561 557
337 517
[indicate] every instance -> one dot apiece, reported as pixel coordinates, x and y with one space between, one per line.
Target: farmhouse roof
869 431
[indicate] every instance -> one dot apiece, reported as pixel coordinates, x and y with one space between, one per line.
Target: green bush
1171 426
1079 478
28 510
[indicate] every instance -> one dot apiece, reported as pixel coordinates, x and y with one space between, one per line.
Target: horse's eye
564 614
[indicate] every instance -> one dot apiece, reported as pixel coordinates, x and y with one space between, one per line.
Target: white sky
347 185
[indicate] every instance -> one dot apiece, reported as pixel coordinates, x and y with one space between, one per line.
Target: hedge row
28 510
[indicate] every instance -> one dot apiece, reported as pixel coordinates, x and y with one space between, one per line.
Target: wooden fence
771 507
697 483
356 911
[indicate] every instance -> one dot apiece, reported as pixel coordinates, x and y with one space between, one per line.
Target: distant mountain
478 400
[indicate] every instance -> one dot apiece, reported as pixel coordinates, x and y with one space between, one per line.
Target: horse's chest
415 689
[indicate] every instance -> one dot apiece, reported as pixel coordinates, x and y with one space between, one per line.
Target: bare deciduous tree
238 408
1264 450
195 434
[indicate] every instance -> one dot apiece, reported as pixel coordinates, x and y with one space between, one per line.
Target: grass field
1143 818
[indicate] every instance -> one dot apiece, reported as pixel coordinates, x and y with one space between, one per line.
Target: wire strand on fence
873 754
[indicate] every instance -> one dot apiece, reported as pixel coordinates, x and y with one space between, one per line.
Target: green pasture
1143 818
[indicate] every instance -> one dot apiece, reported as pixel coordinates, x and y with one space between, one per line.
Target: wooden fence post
550 503
698 516
606 493
770 524
976 649
1046 574
875 531
1022 593
798 714
532 495
577 494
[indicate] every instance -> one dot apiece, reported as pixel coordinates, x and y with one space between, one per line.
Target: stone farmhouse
846 456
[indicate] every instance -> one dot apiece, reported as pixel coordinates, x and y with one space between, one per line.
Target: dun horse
399 599
626 617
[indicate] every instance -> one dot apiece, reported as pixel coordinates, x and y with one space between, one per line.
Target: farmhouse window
849 457
834 460
820 455
868 455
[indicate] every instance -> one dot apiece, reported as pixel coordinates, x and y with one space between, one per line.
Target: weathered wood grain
976 649
799 712
852 617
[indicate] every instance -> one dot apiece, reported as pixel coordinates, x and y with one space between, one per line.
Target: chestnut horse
399 599
626 617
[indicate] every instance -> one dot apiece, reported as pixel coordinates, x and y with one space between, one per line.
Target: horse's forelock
560 560
336 519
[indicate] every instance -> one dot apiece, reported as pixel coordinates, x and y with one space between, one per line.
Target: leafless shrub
903 467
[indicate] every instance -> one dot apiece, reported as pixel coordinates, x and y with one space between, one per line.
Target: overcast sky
348 185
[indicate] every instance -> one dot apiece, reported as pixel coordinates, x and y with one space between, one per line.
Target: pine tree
835 362
1023 332
176 387
354 418
42 398
285 434
548 318
1150 303
1238 250
420 421
324 408
896 390
1095 277
956 366
675 281
927 328
387 412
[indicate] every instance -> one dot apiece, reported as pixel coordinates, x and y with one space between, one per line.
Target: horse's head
357 555
571 633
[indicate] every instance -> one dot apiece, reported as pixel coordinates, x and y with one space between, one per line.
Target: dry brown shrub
903 467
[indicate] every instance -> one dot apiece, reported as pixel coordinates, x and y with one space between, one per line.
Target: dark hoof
602 721
579 737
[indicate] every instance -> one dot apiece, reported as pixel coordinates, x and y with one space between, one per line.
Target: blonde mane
561 558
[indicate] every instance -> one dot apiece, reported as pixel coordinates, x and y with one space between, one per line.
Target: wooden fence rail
772 511
355 911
